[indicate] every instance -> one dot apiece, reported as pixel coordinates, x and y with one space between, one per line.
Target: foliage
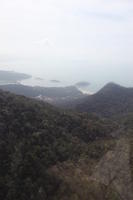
34 137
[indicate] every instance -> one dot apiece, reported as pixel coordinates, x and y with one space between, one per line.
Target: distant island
39 79
12 77
55 81
82 84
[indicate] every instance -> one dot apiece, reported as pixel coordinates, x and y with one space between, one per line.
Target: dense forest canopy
35 136
48 153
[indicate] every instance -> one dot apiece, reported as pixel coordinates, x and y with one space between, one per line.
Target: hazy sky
71 39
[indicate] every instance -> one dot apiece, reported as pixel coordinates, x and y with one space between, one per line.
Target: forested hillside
58 96
35 138
112 100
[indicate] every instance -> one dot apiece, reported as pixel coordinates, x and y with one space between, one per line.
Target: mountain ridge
111 100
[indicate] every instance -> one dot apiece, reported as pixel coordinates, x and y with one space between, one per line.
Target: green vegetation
111 101
52 154
51 92
34 137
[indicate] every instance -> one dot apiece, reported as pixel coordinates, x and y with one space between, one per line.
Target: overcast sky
76 39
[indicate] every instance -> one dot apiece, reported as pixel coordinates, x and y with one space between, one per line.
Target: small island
55 81
82 84
39 79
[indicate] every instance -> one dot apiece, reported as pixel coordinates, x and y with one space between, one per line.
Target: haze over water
69 41
77 71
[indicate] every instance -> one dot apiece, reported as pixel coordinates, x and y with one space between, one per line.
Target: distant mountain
111 100
54 95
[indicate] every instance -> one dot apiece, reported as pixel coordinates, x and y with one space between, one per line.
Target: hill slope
53 95
34 137
111 100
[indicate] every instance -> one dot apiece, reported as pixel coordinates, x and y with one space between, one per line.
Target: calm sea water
53 83
67 73
70 72
44 83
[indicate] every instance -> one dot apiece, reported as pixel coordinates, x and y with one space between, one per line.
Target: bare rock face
107 179
113 170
